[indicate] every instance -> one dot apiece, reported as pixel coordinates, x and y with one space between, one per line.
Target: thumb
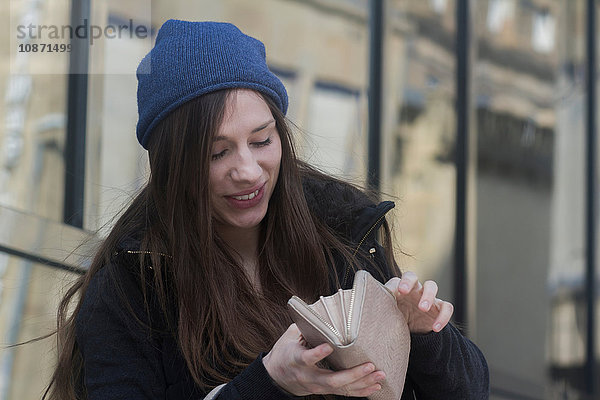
392 285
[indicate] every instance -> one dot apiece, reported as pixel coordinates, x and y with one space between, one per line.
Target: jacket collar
368 220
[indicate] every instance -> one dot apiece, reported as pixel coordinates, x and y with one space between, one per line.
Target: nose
246 168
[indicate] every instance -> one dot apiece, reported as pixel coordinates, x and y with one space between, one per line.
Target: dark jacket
124 361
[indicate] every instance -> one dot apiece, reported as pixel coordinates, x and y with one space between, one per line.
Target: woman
189 289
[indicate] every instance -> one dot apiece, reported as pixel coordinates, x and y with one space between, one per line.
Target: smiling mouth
249 196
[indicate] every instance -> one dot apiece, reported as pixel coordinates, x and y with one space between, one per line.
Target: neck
243 241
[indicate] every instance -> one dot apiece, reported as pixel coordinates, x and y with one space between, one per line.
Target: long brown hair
172 216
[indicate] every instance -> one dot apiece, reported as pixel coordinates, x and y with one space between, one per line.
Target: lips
247 199
249 196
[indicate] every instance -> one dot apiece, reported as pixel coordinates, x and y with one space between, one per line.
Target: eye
263 143
219 155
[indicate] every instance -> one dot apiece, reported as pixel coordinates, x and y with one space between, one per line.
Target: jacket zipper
360 244
147 252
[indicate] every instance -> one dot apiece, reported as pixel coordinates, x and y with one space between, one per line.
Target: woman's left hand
423 311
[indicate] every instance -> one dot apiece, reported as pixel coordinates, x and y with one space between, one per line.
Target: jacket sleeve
448 364
123 360
253 383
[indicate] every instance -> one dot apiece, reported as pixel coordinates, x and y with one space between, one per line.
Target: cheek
215 180
275 160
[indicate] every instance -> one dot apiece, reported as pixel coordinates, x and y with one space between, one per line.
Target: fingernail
425 305
368 368
437 327
404 286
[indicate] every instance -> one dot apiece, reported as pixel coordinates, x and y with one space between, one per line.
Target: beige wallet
362 324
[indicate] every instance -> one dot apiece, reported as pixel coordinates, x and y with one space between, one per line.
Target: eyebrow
257 129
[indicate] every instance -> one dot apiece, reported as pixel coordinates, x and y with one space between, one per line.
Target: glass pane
529 105
419 136
29 300
333 131
33 86
116 165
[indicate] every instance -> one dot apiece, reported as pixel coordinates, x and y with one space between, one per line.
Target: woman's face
244 166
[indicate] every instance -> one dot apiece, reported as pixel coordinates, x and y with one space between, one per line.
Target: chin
246 223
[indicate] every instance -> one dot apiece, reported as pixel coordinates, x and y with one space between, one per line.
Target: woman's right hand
293 367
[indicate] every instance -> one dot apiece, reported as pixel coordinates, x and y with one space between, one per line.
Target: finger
336 382
430 289
360 392
408 282
367 391
292 332
392 284
366 381
312 356
446 311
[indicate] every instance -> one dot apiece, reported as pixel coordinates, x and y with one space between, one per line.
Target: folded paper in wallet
362 324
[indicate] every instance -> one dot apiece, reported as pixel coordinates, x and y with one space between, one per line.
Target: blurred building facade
526 302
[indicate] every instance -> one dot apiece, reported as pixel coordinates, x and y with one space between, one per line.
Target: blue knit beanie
190 59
